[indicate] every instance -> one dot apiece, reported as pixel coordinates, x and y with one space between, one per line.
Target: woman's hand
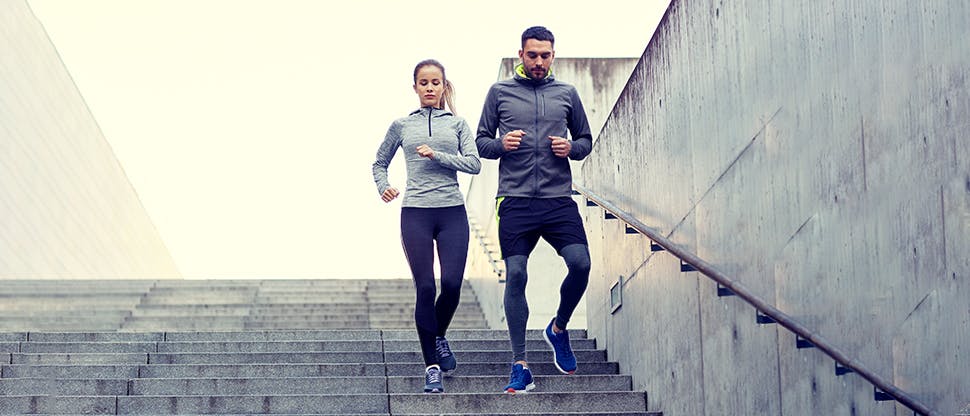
389 194
426 151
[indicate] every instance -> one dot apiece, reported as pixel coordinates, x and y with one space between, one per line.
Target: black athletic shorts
521 221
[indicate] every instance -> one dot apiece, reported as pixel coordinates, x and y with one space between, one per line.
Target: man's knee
577 258
516 272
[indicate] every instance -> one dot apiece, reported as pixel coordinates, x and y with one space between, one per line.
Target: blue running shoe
445 357
562 353
520 381
432 380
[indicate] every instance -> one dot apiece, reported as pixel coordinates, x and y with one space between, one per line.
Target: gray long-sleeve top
432 182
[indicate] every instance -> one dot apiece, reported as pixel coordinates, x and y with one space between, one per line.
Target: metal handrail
780 317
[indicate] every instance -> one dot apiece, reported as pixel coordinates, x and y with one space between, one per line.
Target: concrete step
308 325
61 326
620 413
503 367
257 370
307 385
14 305
27 314
258 386
63 387
269 346
515 403
266 357
78 358
460 345
189 347
49 336
13 336
495 384
477 334
377 321
582 356
274 335
203 324
87 347
99 405
198 299
452 403
358 299
346 403
279 335
242 404
121 371
68 303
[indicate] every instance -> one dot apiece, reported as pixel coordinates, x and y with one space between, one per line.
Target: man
524 124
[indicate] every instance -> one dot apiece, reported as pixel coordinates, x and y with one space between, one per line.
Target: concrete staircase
298 347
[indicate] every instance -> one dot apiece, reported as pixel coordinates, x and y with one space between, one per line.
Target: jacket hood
521 76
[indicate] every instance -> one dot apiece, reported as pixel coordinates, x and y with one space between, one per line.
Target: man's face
537 56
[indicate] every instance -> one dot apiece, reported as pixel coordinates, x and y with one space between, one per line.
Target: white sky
248 127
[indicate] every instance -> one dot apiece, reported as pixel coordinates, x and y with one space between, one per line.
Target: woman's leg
417 229
452 242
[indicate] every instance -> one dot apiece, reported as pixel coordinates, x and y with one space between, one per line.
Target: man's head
537 51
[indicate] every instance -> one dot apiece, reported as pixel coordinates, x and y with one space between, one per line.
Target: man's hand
426 151
560 146
512 139
389 194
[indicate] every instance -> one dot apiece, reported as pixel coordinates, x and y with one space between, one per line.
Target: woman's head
432 86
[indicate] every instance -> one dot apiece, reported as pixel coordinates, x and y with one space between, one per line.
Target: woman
436 145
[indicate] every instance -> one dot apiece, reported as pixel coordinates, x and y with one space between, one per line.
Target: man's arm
579 128
489 147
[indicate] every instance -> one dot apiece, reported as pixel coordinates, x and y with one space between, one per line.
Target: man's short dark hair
539 33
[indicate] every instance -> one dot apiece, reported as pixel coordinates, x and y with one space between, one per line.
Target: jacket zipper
535 128
430 109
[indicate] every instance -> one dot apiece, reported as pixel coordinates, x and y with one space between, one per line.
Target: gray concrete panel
68 208
817 153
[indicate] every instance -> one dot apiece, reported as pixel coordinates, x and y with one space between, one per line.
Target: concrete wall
67 209
818 153
599 81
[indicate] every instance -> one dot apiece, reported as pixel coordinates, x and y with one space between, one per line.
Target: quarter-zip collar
430 112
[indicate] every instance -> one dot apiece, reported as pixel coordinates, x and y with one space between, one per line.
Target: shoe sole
526 390
555 361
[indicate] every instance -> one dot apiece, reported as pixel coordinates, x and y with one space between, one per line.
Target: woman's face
429 85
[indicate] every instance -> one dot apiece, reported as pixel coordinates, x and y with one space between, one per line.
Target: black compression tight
421 230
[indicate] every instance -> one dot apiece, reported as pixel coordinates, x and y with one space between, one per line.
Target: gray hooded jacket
431 183
541 108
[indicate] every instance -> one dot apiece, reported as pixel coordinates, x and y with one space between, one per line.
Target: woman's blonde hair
448 96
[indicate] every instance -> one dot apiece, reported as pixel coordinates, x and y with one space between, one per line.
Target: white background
248 127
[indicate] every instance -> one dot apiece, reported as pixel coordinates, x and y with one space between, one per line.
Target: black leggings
421 228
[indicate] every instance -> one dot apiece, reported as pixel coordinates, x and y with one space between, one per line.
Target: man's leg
516 305
517 231
574 285
564 230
